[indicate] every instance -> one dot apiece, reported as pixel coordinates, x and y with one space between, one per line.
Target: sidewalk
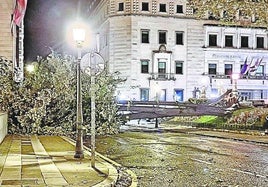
48 161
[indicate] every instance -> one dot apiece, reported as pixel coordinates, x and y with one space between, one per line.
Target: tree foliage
237 12
45 102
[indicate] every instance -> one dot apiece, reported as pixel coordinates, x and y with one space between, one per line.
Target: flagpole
14 39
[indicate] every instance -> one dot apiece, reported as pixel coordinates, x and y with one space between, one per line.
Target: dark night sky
45 23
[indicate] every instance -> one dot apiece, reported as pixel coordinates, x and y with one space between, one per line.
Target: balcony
253 77
162 76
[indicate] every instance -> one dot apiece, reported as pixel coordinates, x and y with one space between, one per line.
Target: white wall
3 126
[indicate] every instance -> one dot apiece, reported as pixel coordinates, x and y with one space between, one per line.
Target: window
120 6
244 41
179 67
162 37
179 9
212 69
162 95
145 36
212 40
260 42
228 69
260 71
145 6
228 41
162 69
178 95
144 94
179 38
144 66
162 7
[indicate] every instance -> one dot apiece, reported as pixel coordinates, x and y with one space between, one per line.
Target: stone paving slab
34 161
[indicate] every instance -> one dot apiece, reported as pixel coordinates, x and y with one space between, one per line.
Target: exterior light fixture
79 34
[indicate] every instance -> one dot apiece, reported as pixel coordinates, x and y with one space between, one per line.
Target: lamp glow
235 76
79 35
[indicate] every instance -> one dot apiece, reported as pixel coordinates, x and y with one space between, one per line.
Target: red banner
19 11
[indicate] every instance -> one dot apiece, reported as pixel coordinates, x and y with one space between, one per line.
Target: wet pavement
183 156
48 161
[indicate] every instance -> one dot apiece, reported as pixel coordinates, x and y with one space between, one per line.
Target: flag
19 11
256 65
244 68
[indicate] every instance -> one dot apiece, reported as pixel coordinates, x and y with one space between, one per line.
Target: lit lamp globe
79 35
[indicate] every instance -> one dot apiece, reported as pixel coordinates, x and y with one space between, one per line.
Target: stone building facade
167 54
6 38
11 39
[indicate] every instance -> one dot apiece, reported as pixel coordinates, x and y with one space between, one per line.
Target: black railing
223 76
162 76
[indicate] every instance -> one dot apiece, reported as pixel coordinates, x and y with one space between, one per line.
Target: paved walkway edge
110 164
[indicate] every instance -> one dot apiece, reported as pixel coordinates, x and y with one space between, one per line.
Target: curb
230 138
113 173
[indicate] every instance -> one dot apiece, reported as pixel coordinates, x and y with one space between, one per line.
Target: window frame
144 67
161 70
159 37
229 42
175 95
228 69
212 42
148 36
243 43
121 6
260 70
178 70
142 6
161 8
179 7
212 70
179 40
258 43
144 92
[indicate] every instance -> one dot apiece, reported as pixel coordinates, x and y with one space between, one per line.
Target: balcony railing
254 77
162 76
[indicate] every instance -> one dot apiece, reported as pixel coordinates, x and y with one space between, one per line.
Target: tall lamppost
79 37
235 77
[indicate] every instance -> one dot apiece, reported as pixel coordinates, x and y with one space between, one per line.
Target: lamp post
79 38
93 110
157 95
235 77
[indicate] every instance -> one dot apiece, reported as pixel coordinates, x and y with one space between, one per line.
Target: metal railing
162 76
223 76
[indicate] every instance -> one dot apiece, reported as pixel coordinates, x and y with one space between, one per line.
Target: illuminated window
144 94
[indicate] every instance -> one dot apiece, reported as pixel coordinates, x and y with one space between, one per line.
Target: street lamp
235 77
79 34
157 95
